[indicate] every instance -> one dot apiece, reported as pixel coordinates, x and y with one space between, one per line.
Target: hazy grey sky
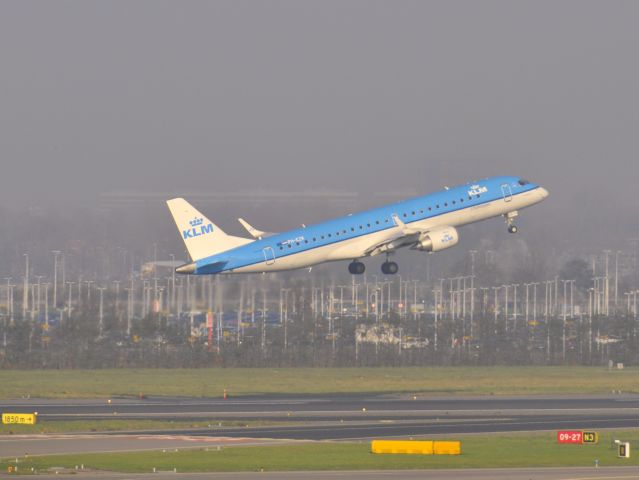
368 95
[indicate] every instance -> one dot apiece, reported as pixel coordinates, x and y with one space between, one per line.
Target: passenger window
437 206
352 229
377 222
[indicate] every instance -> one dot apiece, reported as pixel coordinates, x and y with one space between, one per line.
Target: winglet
398 222
403 227
255 233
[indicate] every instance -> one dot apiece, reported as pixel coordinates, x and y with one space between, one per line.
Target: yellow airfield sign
20 418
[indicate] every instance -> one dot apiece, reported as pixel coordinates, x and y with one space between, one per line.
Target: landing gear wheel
356 268
510 219
389 268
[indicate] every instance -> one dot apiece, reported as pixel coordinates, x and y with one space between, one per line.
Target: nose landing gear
510 219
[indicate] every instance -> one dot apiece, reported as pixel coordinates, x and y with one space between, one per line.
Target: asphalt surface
315 417
590 473
357 416
348 406
390 428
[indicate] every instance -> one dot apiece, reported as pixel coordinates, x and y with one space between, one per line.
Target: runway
327 407
317 417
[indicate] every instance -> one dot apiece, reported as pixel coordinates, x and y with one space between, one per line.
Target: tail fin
201 236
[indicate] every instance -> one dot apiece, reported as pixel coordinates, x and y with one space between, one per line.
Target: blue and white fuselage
425 223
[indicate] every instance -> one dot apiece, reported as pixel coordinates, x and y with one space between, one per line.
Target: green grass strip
76 426
494 451
211 382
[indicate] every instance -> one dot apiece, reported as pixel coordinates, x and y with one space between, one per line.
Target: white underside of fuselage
356 247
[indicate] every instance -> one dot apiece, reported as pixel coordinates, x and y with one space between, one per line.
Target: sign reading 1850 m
23 418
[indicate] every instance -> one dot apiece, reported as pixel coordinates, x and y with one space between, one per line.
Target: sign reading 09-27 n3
427 223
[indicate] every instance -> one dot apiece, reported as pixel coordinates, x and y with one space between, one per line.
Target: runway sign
624 450
21 418
578 437
418 447
590 437
569 436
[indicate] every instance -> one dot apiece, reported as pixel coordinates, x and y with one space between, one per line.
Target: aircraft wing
255 233
400 236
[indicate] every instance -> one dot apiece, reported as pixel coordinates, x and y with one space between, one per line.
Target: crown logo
196 221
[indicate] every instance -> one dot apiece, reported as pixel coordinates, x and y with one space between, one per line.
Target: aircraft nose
543 193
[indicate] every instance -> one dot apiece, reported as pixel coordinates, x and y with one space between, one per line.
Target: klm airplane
426 223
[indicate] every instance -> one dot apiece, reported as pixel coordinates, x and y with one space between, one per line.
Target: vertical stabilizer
201 236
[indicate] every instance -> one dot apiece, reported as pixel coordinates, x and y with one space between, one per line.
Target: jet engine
437 239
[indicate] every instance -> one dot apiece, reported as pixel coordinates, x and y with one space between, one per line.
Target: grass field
75 426
520 450
211 382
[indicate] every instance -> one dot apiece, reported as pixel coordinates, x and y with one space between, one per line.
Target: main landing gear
389 268
510 218
356 268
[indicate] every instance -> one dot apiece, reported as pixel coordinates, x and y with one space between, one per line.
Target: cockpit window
523 182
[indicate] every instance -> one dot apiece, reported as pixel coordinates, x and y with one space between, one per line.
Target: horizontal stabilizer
215 267
166 263
190 268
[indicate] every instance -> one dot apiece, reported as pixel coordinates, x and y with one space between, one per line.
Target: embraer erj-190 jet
427 223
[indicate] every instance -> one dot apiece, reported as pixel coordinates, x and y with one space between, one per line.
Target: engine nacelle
438 239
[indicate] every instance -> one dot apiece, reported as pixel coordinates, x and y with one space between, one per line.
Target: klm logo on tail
197 229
